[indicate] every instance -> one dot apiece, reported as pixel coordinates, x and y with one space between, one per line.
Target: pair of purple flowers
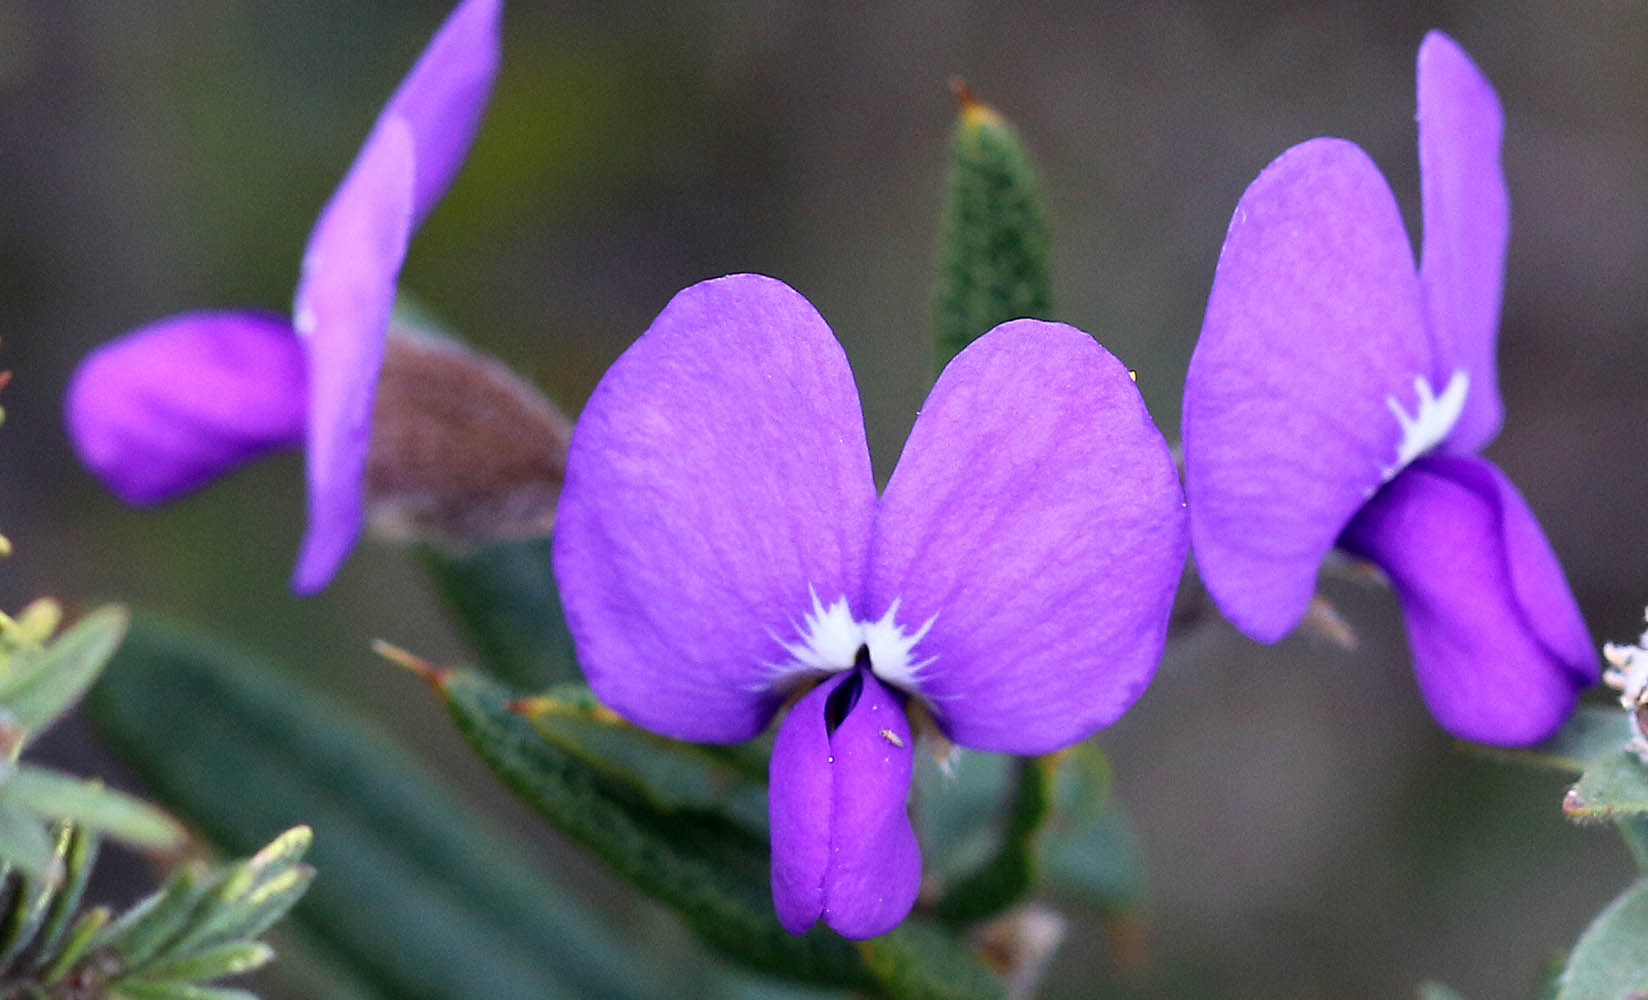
723 551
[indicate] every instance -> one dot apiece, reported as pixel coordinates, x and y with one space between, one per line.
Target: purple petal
176 403
717 473
843 847
1314 326
342 310
1467 225
1499 646
1036 520
443 97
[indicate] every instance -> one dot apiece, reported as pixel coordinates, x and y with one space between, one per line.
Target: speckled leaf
1612 786
1610 962
993 241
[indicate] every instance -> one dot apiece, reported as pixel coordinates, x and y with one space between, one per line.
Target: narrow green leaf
178 991
25 842
993 237
42 686
417 895
505 597
77 945
711 870
220 961
1612 786
56 795
1592 732
141 932
79 855
1609 959
31 900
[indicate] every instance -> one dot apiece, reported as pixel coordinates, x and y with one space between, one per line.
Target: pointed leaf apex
435 676
973 111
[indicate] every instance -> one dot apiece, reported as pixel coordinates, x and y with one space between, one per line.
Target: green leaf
1634 831
44 685
1007 876
417 895
711 870
25 843
1613 786
993 238
31 899
1089 853
177 991
1610 960
79 855
220 961
1592 732
141 932
505 597
55 795
78 944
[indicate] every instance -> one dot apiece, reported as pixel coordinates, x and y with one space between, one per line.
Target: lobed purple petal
174 404
1314 325
843 847
1467 226
342 310
1035 518
717 478
1498 643
443 97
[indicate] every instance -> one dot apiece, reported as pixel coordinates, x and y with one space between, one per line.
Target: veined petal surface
1499 646
1315 329
174 404
717 479
1035 519
843 847
1467 220
443 96
342 311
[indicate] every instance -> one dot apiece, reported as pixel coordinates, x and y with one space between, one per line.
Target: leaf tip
435 676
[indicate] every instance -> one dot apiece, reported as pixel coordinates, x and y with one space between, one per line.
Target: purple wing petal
717 473
1467 225
1036 520
1315 328
342 310
444 95
843 847
176 403
1499 646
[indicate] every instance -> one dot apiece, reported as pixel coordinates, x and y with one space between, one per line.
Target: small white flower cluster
1628 674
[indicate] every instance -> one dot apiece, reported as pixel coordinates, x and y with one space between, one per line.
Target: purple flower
721 547
1337 397
176 403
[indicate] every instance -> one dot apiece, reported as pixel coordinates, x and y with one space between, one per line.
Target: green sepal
417 896
712 870
40 686
1592 732
993 236
1610 960
1612 786
54 795
505 597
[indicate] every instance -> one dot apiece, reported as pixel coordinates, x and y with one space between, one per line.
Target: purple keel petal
342 310
1315 328
176 403
1499 646
1467 225
1035 519
843 847
717 473
443 96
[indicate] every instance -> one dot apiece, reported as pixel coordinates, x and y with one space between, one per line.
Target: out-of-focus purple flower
176 403
1337 397
720 547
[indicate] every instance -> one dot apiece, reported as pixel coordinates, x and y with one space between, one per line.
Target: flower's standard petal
1314 335
717 479
1467 225
843 847
443 96
178 402
1035 521
1499 646
342 310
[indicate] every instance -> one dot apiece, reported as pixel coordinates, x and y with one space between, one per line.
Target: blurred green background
1309 831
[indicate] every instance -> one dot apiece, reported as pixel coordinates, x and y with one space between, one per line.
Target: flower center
830 639
1432 418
